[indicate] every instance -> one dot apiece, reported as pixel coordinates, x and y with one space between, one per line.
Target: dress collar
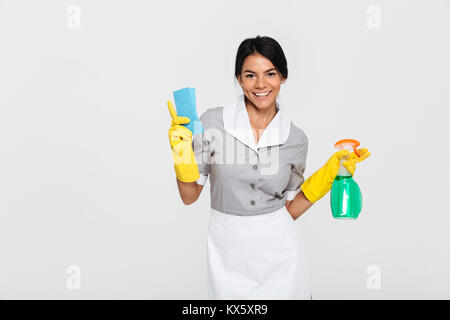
237 123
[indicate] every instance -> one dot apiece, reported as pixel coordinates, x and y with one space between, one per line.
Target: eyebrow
255 72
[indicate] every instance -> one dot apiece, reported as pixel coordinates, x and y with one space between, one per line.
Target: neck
260 118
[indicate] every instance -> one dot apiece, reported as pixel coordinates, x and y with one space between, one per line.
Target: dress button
252 185
252 202
255 167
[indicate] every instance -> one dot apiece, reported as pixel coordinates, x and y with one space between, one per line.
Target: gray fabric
245 182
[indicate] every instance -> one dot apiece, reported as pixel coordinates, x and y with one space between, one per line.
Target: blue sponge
185 104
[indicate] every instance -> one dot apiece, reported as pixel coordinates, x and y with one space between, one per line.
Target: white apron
256 257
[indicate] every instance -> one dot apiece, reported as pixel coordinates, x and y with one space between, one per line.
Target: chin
263 104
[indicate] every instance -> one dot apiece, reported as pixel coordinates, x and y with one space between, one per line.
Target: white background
86 175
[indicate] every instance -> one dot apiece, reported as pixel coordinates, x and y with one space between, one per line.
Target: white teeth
262 94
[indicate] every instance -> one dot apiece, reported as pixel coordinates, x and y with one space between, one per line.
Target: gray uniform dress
253 249
249 178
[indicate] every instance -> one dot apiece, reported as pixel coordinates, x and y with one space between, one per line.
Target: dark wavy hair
266 47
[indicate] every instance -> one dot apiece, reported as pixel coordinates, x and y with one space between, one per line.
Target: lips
262 97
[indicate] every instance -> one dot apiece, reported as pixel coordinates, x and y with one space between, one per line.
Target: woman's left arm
317 185
298 206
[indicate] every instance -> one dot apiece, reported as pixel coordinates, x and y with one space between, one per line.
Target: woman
255 158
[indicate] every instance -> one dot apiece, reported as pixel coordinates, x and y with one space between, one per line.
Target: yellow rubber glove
180 138
353 159
318 184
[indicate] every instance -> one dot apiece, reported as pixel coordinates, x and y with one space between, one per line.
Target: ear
239 80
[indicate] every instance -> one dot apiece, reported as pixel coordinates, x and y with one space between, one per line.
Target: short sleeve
201 146
297 170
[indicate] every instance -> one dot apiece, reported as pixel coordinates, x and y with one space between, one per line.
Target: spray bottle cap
348 144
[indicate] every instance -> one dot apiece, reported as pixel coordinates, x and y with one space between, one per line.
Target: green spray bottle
346 197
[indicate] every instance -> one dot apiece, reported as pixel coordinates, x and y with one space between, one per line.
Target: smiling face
260 81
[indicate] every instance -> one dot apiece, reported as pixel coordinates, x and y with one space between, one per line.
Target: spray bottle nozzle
348 144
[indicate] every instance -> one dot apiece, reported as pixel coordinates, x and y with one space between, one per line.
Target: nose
260 83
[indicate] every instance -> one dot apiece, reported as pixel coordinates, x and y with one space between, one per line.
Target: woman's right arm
186 168
189 191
